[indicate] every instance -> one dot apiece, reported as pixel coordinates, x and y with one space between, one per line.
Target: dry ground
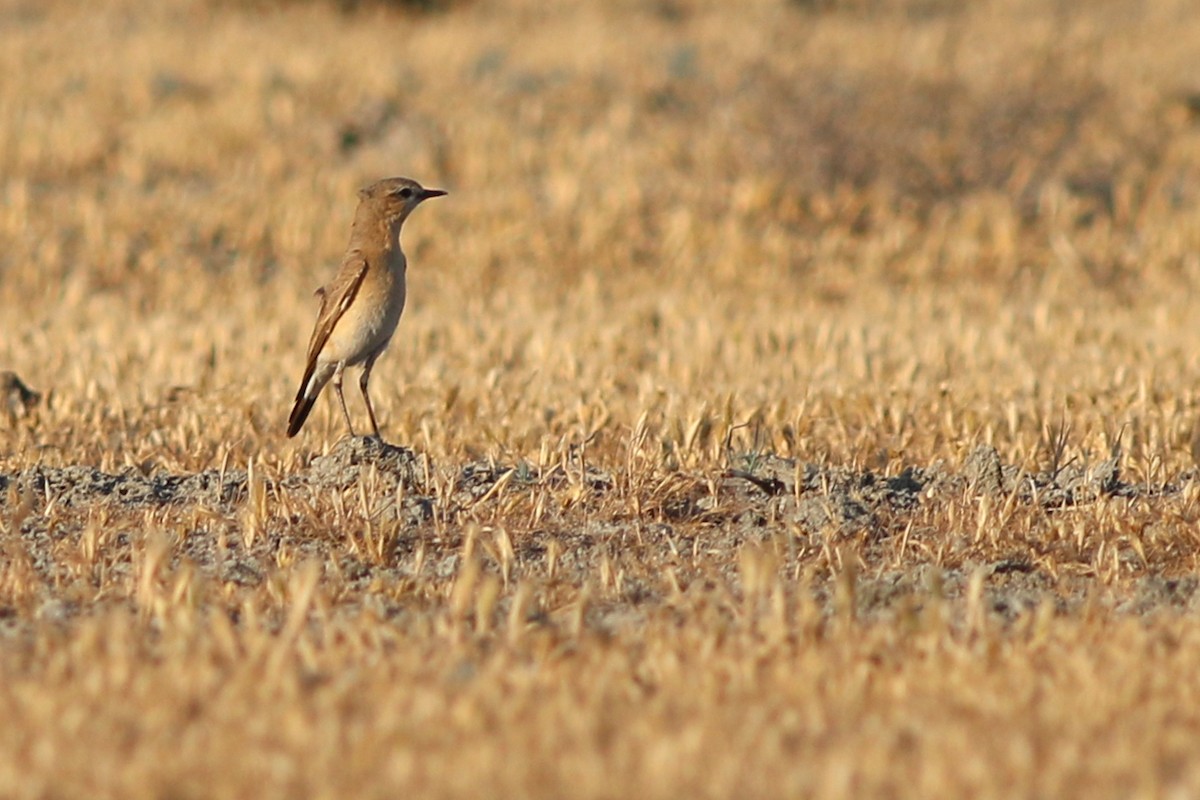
795 398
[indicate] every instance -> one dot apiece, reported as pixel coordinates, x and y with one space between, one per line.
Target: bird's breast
368 324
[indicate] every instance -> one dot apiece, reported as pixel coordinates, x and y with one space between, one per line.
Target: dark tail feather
299 414
303 405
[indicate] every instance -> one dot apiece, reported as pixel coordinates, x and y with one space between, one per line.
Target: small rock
984 470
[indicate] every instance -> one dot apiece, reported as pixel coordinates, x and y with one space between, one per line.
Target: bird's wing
335 299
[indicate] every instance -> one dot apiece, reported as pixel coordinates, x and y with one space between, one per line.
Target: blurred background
683 237
856 223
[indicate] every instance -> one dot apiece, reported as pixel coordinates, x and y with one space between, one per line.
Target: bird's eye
405 193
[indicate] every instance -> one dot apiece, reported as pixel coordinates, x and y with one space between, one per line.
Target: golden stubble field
795 398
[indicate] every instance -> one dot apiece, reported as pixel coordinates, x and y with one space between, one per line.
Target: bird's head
395 198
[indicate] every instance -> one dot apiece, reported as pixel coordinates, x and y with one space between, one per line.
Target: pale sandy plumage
361 306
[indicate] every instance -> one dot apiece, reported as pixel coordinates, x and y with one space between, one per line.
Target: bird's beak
428 193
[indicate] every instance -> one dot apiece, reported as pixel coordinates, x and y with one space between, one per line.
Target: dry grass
686 242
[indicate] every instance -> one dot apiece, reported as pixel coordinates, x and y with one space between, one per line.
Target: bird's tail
310 390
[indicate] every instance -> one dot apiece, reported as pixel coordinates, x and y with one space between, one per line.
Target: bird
361 306
17 399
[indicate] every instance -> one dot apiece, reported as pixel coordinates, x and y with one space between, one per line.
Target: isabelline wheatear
361 306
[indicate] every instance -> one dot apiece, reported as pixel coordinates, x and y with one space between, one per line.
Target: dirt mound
80 486
814 508
352 457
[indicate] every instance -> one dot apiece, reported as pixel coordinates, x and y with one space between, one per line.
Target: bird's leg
337 385
362 384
